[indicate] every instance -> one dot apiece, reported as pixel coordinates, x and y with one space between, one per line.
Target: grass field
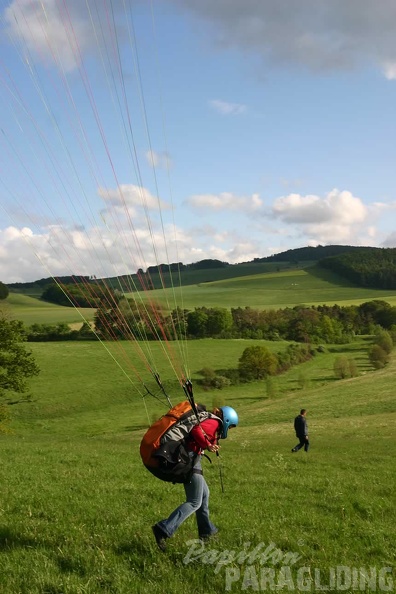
76 504
32 310
270 290
309 286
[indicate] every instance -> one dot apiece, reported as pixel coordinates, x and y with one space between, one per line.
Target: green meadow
31 310
273 290
77 505
268 290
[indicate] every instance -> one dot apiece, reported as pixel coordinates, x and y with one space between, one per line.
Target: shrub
257 362
378 357
384 340
353 371
341 367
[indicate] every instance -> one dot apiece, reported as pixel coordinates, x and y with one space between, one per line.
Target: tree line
367 267
121 318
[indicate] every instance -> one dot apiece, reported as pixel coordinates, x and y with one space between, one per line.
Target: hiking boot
160 537
206 537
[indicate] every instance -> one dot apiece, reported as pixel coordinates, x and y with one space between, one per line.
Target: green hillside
177 274
271 290
78 504
310 286
32 310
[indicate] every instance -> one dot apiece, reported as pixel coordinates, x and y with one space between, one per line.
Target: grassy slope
33 311
271 290
311 286
78 505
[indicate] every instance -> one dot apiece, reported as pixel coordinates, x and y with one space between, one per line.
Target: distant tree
178 322
197 321
257 362
4 292
86 331
378 357
384 340
16 362
341 367
353 371
219 321
208 263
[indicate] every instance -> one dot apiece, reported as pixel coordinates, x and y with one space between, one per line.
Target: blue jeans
197 500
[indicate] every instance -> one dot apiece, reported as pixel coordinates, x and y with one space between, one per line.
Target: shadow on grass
69 565
323 379
136 428
11 540
136 551
52 589
329 276
133 546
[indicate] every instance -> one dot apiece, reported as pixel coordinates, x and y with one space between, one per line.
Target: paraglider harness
164 447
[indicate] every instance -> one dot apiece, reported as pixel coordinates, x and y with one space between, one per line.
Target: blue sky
135 133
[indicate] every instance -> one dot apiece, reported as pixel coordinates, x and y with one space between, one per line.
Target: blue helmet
230 419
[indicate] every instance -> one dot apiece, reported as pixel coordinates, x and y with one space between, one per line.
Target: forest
366 267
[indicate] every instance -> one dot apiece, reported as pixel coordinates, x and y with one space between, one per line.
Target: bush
353 371
4 292
220 381
384 340
212 380
345 367
257 362
378 357
341 367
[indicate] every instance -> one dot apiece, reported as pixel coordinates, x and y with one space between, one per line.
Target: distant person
301 429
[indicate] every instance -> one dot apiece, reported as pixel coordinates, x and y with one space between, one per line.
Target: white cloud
335 207
27 255
64 32
390 241
45 31
128 198
320 35
335 218
226 201
389 69
226 108
156 159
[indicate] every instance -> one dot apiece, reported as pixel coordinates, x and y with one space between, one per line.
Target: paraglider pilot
202 437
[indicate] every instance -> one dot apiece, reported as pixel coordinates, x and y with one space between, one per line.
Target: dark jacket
301 426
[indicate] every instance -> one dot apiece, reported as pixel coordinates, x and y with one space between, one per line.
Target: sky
135 133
